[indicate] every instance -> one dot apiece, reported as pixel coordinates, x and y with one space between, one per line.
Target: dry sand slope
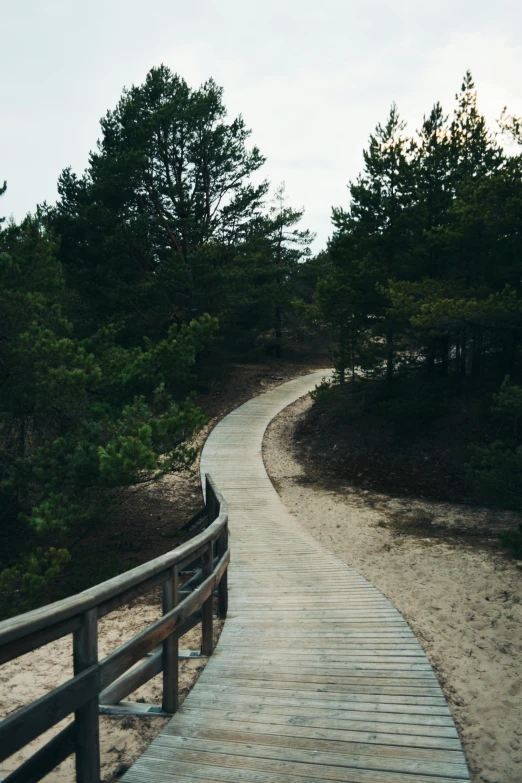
463 603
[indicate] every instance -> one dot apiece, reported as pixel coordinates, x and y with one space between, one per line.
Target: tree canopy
428 252
169 255
422 288
159 261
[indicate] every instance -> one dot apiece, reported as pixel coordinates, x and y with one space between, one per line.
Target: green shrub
325 392
408 413
512 539
22 585
496 473
507 404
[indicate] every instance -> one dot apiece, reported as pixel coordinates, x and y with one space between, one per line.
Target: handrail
90 685
30 622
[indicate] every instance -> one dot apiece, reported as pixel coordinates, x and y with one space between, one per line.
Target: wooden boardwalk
316 676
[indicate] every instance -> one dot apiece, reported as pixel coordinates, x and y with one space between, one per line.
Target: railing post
211 502
170 701
222 597
213 510
207 607
86 719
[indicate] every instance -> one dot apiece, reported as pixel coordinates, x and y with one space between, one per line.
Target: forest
164 261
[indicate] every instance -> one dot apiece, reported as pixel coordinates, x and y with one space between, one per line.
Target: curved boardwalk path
316 676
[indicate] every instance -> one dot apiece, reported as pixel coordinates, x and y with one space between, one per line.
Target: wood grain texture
60 747
86 722
316 675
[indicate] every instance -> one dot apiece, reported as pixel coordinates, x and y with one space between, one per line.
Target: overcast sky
311 78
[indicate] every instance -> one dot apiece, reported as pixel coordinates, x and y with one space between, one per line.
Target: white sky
311 78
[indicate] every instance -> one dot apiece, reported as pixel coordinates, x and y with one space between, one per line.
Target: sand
463 602
122 739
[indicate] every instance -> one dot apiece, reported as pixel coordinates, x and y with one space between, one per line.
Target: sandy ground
122 739
463 602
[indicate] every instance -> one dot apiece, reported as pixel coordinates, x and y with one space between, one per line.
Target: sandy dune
464 603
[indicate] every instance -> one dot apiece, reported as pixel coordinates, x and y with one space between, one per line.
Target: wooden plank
294 605
349 702
309 653
134 679
222 597
406 669
316 760
191 767
331 623
32 720
169 653
315 648
333 719
300 656
369 676
237 630
46 759
297 709
207 632
134 708
323 739
320 692
275 679
14 649
327 685
85 655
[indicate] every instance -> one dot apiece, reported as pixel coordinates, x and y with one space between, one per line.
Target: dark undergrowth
420 444
148 522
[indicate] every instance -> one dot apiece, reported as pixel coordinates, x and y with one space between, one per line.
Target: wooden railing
104 682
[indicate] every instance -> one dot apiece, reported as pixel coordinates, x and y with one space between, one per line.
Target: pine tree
165 202
83 420
287 247
474 151
373 241
3 188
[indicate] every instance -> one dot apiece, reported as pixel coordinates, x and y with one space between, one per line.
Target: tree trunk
476 353
457 355
352 352
510 354
278 331
444 353
463 354
21 438
513 357
389 358
430 358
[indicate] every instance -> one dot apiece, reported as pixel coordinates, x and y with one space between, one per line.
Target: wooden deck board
316 676
322 764
332 719
340 740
